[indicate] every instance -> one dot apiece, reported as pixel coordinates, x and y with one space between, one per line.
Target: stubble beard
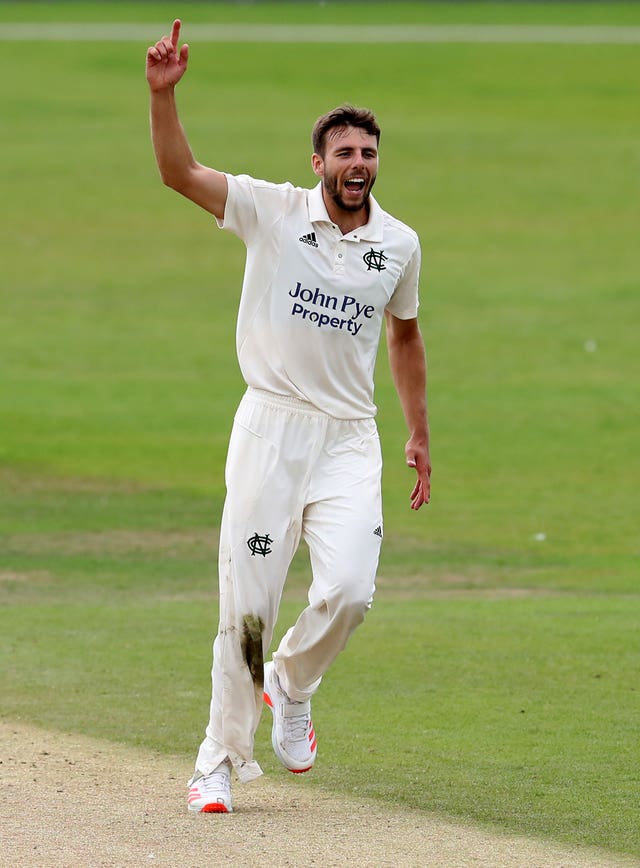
332 190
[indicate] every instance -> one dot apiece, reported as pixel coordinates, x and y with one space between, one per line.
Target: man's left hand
418 457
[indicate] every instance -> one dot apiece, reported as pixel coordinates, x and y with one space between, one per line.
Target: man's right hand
165 65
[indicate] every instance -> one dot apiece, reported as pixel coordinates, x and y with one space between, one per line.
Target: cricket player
324 267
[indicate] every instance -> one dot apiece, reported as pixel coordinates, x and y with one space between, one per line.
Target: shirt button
339 255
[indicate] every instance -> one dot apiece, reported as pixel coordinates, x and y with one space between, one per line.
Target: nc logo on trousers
260 545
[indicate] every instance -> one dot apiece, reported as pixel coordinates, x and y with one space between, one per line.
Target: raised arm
409 370
178 168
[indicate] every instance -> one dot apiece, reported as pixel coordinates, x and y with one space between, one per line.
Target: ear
317 164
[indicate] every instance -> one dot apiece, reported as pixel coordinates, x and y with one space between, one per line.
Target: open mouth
355 184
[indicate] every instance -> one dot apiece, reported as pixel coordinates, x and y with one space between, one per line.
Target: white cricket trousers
292 471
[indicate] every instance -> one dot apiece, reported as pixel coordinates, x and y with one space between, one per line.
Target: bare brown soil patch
68 800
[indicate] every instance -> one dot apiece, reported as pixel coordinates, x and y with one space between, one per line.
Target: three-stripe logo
309 239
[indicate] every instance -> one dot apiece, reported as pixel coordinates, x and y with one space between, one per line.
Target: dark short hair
344 116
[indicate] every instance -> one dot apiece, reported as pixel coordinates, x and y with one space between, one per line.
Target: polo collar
371 231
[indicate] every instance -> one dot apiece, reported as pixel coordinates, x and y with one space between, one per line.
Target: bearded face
349 167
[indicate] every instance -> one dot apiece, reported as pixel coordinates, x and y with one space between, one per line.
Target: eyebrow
368 148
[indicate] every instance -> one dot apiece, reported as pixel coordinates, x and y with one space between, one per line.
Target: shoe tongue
296 709
223 769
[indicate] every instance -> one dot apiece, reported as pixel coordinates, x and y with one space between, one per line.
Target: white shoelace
297 728
213 783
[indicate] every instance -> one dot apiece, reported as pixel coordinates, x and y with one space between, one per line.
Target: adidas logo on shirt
378 531
309 239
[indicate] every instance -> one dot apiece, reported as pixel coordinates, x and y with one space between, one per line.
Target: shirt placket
339 252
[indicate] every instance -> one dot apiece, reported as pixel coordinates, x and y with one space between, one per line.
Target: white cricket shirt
313 299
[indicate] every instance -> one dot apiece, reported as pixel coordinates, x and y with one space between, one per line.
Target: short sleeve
403 304
252 206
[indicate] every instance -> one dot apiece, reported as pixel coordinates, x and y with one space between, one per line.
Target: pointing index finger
175 33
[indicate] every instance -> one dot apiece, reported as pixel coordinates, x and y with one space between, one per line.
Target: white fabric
292 471
313 300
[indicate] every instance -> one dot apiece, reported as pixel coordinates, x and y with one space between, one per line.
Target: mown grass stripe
507 33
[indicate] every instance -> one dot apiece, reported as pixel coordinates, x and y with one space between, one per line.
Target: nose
359 161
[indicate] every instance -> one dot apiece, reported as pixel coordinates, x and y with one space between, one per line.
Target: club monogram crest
375 259
260 545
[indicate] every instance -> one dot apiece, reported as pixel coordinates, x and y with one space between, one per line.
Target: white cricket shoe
292 736
211 794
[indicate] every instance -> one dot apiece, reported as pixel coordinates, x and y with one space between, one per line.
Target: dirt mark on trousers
251 643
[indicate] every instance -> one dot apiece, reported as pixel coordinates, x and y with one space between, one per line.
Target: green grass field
496 678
